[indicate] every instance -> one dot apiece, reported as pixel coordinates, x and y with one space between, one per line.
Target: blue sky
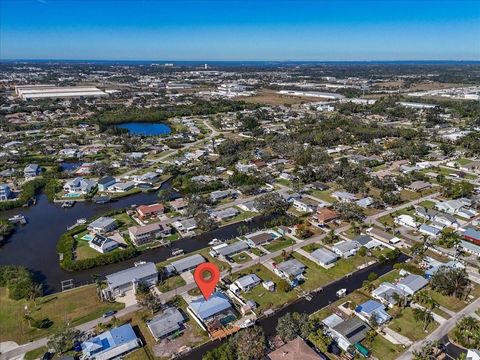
240 30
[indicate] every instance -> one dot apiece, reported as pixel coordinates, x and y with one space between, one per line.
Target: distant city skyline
248 30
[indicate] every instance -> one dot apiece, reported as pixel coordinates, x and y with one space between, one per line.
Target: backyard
406 325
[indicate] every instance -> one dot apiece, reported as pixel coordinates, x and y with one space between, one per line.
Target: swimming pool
87 237
72 195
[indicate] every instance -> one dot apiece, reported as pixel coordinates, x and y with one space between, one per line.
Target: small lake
146 129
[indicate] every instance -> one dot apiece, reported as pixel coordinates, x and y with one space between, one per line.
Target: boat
81 221
68 204
18 219
177 252
215 242
341 293
102 199
247 323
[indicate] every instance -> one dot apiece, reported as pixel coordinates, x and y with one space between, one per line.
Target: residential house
324 256
305 204
367 241
103 244
291 270
296 349
103 225
412 284
105 182
185 225
169 322
472 234
225 214
150 211
185 264
31 170
323 217
470 248
349 332
419 186
451 264
382 235
5 192
228 250
260 238
248 206
365 202
111 344
79 185
406 220
122 186
344 196
345 248
179 204
245 283
204 310
450 206
372 309
385 294
429 230
126 280
144 234
220 195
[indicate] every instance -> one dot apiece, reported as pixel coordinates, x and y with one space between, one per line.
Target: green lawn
428 204
264 298
257 252
84 251
241 258
240 217
442 313
325 195
383 349
450 302
407 326
36 354
76 306
124 220
278 244
171 283
312 247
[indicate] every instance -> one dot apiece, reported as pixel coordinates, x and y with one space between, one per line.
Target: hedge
17 279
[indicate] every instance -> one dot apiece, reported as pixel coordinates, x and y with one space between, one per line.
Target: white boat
341 293
81 221
247 323
215 242
177 252
19 218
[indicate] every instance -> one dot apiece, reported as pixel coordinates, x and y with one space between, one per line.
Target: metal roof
166 323
232 248
215 304
139 272
187 263
324 256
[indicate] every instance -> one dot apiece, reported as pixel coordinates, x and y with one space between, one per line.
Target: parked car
109 313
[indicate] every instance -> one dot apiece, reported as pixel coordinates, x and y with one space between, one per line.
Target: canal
34 245
319 300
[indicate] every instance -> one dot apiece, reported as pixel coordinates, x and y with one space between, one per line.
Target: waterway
319 300
34 245
146 129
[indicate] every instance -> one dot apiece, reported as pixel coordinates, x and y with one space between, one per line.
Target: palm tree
400 299
425 299
469 327
423 315
35 291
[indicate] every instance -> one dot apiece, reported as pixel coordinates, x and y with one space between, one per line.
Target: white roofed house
145 234
324 256
224 214
412 284
245 283
103 225
345 248
103 244
185 264
291 270
406 220
344 196
31 170
229 250
305 204
126 280
79 185
385 293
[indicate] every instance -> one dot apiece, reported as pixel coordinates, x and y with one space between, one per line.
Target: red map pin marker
206 276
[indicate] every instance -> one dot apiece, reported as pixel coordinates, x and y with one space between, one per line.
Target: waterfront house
296 349
347 333
412 284
382 235
367 241
291 270
305 204
169 322
260 238
79 185
103 225
144 234
31 170
105 182
245 283
229 250
5 192
385 293
345 248
179 204
150 211
185 264
324 256
372 309
225 214
185 225
126 280
103 244
323 216
111 344
122 186
217 306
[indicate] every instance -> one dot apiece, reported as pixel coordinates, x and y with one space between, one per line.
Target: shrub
42 323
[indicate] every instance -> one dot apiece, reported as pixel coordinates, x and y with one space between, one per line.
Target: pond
146 129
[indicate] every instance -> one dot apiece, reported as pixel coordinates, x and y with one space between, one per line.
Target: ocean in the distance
146 129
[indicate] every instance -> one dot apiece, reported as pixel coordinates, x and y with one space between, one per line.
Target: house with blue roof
205 309
111 344
372 309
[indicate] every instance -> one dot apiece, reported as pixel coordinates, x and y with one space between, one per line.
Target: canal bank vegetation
19 282
22 320
67 244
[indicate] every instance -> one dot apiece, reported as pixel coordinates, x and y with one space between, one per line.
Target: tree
426 300
271 203
423 315
223 352
147 298
165 194
331 237
250 343
362 251
467 332
400 300
63 339
204 221
451 281
36 290
292 325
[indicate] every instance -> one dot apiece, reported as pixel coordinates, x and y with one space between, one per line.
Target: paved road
442 329
171 294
